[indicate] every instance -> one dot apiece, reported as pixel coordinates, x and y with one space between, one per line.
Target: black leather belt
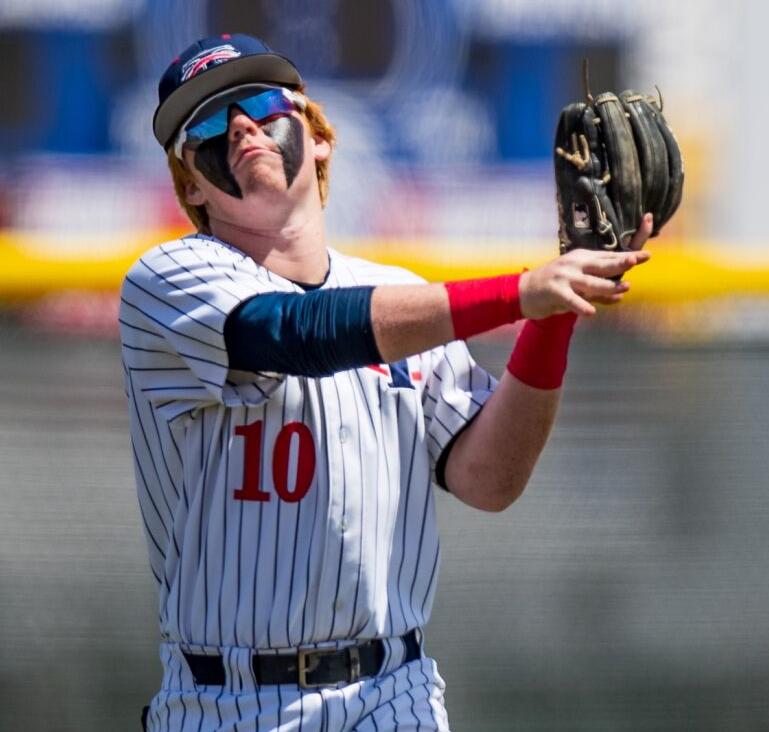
309 668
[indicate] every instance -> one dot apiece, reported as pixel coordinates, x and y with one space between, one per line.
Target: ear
322 148
192 194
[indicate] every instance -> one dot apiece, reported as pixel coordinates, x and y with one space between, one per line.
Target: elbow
501 500
490 496
487 482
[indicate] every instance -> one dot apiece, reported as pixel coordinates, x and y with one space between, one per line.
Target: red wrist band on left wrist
540 355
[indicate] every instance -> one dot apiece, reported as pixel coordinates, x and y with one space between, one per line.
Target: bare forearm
492 460
409 319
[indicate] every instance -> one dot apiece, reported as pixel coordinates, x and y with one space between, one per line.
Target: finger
577 304
583 254
616 265
590 257
608 299
591 286
643 233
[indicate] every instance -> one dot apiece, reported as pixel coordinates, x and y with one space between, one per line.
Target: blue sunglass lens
210 127
257 108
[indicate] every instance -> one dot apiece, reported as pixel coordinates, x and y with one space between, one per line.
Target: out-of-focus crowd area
445 113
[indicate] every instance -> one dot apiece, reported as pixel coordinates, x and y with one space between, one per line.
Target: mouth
251 152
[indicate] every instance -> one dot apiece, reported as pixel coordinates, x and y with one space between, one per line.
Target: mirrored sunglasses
211 118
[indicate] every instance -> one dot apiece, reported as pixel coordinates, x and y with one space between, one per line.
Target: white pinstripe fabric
355 558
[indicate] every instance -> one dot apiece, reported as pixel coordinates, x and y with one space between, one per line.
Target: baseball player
292 409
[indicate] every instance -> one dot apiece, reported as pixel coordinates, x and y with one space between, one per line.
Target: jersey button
343 525
343 434
338 605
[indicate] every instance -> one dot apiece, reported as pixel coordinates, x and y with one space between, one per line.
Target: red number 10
252 462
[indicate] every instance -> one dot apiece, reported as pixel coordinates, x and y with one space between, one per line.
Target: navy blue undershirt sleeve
312 334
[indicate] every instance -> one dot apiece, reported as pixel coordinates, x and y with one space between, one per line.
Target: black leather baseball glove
615 159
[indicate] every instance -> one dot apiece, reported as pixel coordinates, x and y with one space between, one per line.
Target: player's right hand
576 280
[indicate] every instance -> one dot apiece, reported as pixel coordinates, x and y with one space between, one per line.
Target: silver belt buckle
307 661
309 658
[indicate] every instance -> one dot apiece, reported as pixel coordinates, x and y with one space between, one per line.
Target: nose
240 125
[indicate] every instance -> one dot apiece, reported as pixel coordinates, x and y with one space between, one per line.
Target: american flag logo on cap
208 58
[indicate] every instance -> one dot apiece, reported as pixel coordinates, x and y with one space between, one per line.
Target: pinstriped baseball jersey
281 511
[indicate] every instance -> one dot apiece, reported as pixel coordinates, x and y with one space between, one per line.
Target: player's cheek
211 161
288 134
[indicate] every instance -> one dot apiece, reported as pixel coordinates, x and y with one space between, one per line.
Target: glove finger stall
652 151
624 168
675 174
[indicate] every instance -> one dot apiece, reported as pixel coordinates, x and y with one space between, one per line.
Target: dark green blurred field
627 590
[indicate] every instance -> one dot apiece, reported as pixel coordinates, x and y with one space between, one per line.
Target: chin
257 184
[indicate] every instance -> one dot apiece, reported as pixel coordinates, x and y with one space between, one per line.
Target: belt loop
413 646
353 655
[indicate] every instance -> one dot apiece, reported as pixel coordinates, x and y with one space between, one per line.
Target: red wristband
484 304
540 354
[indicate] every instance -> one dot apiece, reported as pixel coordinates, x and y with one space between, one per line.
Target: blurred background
629 588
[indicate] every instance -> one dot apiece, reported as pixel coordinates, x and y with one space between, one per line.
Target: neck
292 246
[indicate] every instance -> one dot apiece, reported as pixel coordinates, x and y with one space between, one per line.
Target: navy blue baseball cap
212 65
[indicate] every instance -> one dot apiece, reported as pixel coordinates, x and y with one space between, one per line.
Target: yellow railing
679 271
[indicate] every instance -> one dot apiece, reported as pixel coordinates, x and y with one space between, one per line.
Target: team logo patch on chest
207 59
397 373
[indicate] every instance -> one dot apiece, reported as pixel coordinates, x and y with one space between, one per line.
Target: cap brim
265 67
